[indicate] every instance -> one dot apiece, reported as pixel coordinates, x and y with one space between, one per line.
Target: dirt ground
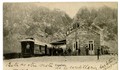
102 58
105 62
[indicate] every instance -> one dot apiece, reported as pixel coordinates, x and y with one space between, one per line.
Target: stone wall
82 36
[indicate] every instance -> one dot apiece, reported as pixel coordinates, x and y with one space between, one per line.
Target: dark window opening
92 46
89 46
76 46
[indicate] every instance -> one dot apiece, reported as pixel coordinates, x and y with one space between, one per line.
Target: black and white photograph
60 36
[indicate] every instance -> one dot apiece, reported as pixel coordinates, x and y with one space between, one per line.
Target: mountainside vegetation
21 20
28 20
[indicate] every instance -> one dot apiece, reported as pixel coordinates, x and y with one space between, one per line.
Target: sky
71 8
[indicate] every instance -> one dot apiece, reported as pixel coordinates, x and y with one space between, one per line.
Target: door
91 47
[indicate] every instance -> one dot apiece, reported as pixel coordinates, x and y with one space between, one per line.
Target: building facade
83 41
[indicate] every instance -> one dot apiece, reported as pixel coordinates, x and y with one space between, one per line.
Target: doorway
91 47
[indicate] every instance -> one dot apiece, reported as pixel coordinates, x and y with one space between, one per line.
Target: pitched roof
27 40
42 43
89 28
60 42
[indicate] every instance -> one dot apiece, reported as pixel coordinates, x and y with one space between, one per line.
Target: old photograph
60 36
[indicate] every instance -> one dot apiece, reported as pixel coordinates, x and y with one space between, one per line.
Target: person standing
87 50
79 51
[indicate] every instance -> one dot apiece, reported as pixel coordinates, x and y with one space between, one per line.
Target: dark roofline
79 28
60 42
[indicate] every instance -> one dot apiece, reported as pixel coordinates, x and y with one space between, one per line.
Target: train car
32 47
41 48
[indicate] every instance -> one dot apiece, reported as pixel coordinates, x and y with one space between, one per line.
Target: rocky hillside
21 20
28 20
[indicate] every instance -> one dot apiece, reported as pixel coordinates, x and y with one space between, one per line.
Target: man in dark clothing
98 53
69 51
79 51
87 50
45 49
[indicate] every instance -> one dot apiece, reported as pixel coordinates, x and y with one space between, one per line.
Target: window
91 45
28 46
76 45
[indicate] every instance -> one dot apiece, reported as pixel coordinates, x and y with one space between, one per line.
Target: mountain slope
28 20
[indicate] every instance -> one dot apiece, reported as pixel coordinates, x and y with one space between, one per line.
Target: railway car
32 47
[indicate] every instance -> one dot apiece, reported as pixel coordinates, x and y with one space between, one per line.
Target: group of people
57 51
